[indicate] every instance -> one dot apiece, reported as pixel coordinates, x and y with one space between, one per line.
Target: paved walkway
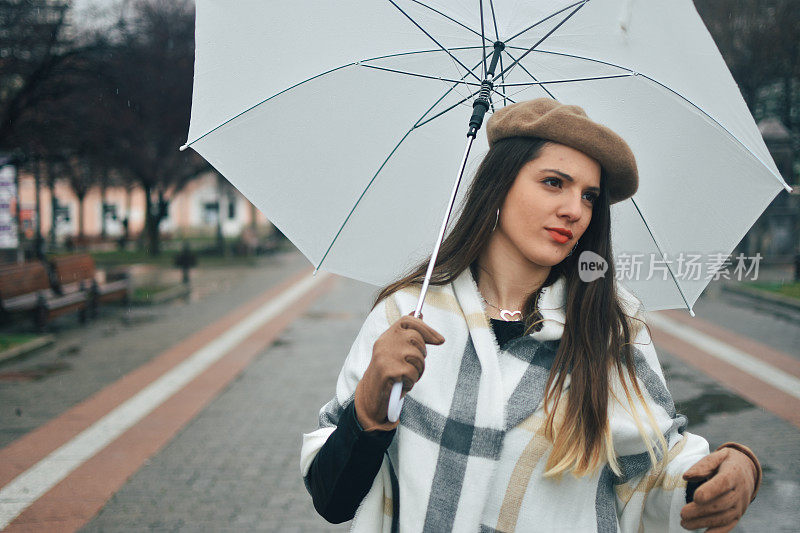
233 463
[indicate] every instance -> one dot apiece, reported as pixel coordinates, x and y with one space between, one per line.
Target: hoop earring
496 219
573 249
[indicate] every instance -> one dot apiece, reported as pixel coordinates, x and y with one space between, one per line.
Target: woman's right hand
397 355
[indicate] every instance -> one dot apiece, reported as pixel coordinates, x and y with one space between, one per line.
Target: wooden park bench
25 288
76 273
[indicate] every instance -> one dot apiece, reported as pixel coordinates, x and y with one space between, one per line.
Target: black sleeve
342 472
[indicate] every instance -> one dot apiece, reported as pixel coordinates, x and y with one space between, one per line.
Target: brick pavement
719 415
85 359
236 467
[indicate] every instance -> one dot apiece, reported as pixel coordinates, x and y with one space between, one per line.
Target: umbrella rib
545 89
540 41
676 93
215 128
377 172
437 115
546 19
419 123
483 42
448 17
189 143
413 52
431 37
424 76
590 59
497 37
631 72
669 269
570 80
729 132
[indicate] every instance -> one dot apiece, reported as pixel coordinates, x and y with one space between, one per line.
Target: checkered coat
470 449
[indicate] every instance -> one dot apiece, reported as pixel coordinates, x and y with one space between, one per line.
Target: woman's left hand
722 499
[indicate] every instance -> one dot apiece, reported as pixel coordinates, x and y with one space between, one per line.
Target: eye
592 197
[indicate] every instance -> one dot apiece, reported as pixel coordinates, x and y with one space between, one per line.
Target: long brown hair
589 350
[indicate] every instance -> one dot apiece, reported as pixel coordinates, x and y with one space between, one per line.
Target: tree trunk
80 215
103 208
51 183
20 230
37 239
220 237
152 244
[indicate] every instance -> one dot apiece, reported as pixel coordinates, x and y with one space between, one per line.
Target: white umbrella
343 122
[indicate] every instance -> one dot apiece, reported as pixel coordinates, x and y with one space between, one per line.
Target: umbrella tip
184 147
691 312
788 188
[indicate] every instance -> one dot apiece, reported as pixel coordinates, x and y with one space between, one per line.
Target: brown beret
569 125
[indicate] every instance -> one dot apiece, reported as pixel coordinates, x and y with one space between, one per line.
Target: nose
571 207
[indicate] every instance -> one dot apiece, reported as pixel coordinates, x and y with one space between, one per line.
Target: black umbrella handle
484 100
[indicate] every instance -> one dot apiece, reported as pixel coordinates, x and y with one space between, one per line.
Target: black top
506 331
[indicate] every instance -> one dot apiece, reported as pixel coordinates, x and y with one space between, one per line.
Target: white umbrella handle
395 400
479 109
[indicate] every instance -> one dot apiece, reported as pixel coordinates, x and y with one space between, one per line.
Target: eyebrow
569 178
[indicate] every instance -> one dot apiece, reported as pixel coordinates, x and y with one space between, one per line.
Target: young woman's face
556 190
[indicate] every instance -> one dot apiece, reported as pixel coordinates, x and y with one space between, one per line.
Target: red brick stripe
82 494
778 359
742 383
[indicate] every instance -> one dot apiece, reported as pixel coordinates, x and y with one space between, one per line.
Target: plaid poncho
470 449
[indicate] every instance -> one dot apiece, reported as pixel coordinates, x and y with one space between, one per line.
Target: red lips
567 233
558 237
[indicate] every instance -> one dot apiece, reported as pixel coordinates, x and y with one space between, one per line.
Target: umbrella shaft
435 254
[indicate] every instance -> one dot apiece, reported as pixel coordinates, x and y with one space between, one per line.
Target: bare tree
760 41
149 98
37 49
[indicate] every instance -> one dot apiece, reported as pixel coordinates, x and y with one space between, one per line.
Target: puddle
70 351
279 342
710 403
677 373
35 373
132 318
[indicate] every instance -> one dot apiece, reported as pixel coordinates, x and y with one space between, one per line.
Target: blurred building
195 210
776 234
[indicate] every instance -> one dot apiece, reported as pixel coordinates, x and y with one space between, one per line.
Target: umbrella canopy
344 122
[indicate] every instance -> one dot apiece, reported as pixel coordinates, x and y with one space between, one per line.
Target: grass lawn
9 340
791 289
201 246
165 259
146 292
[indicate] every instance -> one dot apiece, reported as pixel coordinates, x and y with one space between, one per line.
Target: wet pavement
235 466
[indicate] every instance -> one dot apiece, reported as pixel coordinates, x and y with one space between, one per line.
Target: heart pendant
506 315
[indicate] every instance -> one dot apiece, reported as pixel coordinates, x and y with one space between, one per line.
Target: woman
537 403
